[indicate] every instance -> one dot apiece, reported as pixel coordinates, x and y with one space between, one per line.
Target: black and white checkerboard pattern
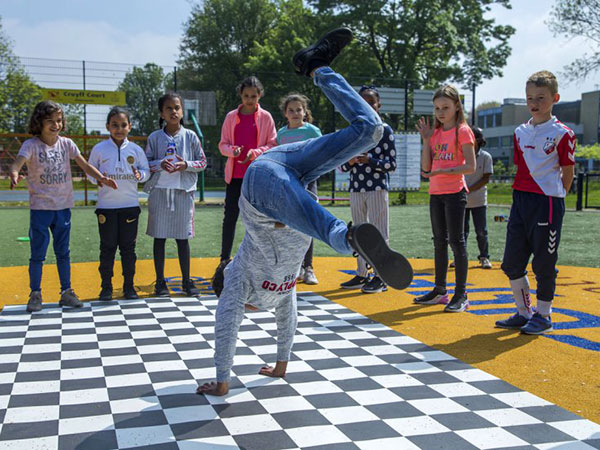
122 374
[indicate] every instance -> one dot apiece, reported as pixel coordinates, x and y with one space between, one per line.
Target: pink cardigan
266 136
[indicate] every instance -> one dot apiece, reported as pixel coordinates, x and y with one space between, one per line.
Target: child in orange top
448 154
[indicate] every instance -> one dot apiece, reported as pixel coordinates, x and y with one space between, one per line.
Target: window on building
506 141
499 119
492 142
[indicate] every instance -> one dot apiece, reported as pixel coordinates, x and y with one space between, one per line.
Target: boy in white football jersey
545 157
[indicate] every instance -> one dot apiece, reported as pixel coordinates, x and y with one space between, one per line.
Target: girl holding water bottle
175 157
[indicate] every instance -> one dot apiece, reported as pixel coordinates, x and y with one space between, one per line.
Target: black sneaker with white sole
393 268
355 283
323 52
374 286
458 303
35 301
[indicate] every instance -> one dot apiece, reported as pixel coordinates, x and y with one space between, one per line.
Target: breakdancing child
281 216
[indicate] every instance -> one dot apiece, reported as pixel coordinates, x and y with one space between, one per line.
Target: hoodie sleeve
226 143
270 141
198 164
152 155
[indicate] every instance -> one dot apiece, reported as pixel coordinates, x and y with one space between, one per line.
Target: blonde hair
544 78
451 92
296 97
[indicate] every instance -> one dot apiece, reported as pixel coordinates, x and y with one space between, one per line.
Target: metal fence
90 75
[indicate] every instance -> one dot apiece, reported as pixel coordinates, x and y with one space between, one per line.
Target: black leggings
183 251
230 217
447 212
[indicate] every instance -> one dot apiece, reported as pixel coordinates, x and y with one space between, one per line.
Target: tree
428 41
18 93
143 86
579 18
217 42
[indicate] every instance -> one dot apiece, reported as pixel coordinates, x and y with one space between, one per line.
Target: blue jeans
275 183
41 222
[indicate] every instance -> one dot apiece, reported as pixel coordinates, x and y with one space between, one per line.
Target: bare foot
250 307
277 372
213 388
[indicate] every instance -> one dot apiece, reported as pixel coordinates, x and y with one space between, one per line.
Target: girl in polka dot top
369 186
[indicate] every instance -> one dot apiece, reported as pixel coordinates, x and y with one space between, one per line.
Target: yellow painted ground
561 373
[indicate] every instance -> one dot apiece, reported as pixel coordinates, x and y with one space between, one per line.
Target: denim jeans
41 223
447 212
275 183
481 232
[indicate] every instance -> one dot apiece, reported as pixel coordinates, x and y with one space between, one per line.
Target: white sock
544 308
520 288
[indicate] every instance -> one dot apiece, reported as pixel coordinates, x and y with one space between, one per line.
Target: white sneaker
485 263
301 274
309 276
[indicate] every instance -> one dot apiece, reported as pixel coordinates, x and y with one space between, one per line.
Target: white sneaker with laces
485 263
309 276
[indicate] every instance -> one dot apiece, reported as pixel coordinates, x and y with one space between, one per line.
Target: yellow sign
84 96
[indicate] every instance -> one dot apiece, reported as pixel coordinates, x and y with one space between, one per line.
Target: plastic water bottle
501 218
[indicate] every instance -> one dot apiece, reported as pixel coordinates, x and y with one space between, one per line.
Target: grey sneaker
35 301
485 263
70 299
309 276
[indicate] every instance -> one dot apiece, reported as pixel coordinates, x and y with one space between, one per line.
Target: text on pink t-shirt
245 134
445 154
49 173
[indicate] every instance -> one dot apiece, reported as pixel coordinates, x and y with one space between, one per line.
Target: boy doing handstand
280 216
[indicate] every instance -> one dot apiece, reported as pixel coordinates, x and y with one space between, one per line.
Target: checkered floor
122 375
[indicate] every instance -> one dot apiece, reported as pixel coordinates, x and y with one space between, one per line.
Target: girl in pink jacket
247 132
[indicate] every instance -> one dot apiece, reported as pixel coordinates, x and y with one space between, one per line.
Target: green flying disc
23 239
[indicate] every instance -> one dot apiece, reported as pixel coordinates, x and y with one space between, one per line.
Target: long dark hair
42 111
161 103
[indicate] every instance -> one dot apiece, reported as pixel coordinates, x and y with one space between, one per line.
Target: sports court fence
588 190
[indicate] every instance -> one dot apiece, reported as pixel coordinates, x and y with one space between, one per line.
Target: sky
140 31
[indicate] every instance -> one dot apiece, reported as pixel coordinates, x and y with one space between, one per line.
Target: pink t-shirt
245 134
445 154
49 173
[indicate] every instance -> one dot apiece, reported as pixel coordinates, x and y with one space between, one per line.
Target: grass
410 233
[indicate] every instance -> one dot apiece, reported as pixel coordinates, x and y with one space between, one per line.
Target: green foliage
579 18
588 151
425 41
18 93
428 41
143 86
217 42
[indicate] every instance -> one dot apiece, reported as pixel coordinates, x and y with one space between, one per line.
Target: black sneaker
190 288
161 289
374 286
393 268
459 303
355 283
106 293
323 52
129 293
433 297
35 301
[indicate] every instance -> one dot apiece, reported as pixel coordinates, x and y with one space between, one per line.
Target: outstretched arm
93 172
